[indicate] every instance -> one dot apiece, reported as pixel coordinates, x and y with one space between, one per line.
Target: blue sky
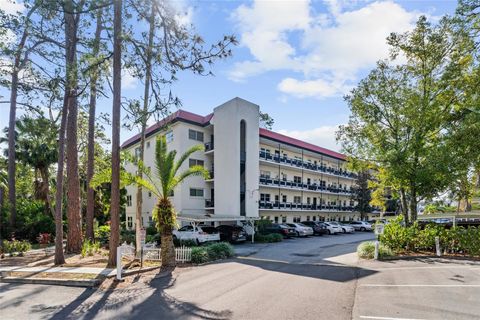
296 59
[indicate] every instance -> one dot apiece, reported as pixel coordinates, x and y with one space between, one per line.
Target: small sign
379 228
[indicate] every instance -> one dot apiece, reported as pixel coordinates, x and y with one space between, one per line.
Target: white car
346 228
361 225
333 227
301 229
201 234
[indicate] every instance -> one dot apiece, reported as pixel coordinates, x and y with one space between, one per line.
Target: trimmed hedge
211 252
16 246
366 250
455 240
268 238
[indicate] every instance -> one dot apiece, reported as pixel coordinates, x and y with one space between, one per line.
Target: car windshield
291 225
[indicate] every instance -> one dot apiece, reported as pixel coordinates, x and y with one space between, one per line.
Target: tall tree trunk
11 149
74 236
45 174
91 133
144 117
404 204
165 212
59 256
413 204
116 109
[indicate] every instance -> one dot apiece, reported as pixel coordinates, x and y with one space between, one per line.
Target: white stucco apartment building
254 172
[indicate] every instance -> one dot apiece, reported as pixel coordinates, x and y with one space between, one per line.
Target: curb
57 282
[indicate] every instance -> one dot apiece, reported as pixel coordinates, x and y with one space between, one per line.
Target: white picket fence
183 254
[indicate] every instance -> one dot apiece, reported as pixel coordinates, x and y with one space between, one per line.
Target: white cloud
11 7
322 136
128 80
330 49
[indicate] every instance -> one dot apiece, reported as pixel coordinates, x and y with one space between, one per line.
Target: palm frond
192 171
186 155
105 176
144 183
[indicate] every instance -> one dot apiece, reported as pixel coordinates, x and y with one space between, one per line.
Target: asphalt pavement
313 278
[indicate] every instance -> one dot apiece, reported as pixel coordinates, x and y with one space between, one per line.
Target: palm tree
167 176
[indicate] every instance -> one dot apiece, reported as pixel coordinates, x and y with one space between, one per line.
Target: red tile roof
299 143
182 115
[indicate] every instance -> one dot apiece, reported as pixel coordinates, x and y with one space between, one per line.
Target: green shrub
200 255
262 224
127 236
15 246
151 230
366 250
89 248
268 238
186 243
221 250
102 234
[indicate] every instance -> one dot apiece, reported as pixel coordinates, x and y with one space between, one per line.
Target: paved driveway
314 278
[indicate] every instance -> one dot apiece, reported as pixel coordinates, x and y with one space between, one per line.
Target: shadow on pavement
331 271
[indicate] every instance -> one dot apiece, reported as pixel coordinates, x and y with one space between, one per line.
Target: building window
275 219
308 218
150 220
276 198
129 200
169 136
137 153
297 199
265 174
129 222
314 218
195 162
284 198
296 219
148 144
297 179
149 194
195 135
284 219
265 197
308 201
196 192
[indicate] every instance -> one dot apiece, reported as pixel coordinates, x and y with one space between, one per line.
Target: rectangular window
314 218
129 200
297 199
137 153
297 179
195 162
276 198
308 218
264 174
148 144
275 219
196 192
265 197
195 135
284 219
296 219
284 198
149 194
308 200
169 136
129 222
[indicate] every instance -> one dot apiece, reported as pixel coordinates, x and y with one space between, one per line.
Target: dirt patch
54 275
26 259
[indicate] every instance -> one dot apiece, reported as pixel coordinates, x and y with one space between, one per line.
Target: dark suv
232 233
318 227
282 229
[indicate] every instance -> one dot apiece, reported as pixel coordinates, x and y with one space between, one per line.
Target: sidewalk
89 270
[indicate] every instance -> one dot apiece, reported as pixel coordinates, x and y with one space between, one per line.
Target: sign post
379 229
143 235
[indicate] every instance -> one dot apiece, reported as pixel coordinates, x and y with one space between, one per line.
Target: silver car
361 226
301 229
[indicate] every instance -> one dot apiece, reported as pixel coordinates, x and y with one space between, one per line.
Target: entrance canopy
212 218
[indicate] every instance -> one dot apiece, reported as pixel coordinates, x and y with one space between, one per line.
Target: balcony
298 163
267 181
209 203
293 206
209 146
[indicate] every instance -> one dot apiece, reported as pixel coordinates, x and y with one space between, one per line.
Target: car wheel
362 229
329 232
198 242
344 231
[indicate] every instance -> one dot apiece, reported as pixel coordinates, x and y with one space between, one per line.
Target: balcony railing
209 203
305 165
266 181
302 206
208 146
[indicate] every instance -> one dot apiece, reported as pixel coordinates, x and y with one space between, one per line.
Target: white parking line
424 285
387 318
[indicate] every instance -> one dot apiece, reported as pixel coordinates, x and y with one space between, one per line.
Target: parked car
319 228
282 229
232 233
361 225
333 227
200 234
346 228
301 229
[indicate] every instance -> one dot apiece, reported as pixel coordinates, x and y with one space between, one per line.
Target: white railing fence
182 254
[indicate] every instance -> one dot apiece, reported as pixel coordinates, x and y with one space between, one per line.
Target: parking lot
298 278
